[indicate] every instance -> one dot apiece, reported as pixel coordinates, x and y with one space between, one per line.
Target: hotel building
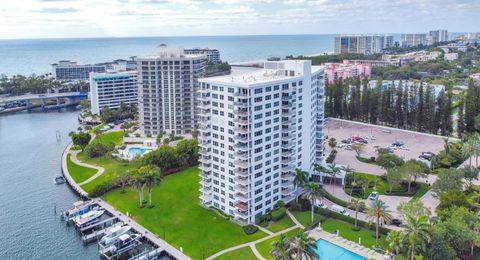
212 55
69 70
112 89
363 44
167 85
255 129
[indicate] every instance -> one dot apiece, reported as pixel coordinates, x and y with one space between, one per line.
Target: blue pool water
136 151
328 251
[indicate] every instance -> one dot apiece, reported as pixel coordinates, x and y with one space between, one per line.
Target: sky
130 18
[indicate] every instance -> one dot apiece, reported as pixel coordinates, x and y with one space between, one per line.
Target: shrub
250 229
331 157
280 204
335 199
331 214
97 149
137 135
103 188
278 214
295 206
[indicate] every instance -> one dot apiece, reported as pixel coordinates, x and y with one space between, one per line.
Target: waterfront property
69 70
109 90
255 129
167 83
212 55
178 218
363 44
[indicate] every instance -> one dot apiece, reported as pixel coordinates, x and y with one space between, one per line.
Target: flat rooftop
257 76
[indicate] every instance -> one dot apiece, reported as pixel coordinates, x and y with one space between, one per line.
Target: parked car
424 157
348 147
374 196
341 145
321 205
340 210
397 222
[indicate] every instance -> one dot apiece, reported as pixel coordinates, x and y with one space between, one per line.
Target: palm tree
378 212
468 149
394 240
304 247
312 192
332 142
281 249
357 205
321 170
152 178
139 184
301 179
416 231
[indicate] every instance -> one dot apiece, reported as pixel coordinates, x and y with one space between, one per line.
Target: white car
374 196
340 210
341 145
322 205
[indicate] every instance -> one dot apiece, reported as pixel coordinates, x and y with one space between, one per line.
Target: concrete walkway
252 244
100 170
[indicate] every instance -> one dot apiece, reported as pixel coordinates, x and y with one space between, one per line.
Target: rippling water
30 157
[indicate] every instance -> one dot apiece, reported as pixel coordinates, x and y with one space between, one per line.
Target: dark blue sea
35 56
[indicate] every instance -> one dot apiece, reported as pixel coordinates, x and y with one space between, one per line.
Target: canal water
30 156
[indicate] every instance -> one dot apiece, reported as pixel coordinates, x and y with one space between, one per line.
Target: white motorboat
59 180
112 234
88 217
121 244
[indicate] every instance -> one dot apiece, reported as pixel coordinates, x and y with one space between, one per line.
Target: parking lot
383 137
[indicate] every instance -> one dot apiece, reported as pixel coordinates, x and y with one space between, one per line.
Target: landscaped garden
265 247
361 185
243 253
346 230
77 172
178 217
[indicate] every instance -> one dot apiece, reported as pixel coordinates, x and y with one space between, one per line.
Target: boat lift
98 234
121 251
148 255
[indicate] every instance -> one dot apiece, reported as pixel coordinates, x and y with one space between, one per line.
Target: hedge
360 223
278 214
331 157
250 229
334 199
102 188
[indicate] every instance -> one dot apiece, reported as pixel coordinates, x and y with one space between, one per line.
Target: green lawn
243 253
265 247
112 169
77 172
331 225
282 224
305 217
111 137
178 215
380 185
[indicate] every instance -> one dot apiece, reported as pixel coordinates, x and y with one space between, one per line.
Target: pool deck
341 242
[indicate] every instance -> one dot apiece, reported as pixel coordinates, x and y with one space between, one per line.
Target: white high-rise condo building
413 39
438 36
112 89
167 85
363 44
255 130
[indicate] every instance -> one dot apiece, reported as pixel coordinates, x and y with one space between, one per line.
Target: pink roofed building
347 69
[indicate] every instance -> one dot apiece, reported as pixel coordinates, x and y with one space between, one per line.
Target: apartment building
438 36
167 85
112 89
212 55
255 129
71 71
363 44
413 39
347 69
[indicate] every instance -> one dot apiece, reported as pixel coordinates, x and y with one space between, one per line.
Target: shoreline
151 237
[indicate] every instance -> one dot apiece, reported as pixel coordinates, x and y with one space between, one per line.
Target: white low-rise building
112 89
451 56
255 130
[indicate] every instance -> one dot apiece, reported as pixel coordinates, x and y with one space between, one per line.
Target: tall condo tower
167 85
255 130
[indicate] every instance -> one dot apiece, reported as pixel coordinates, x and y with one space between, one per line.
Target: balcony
205 111
206 189
288 145
206 181
287 160
242 120
241 137
241 155
205 127
287 184
241 112
204 159
206 174
207 151
241 147
287 192
242 206
241 129
240 94
241 180
241 188
288 176
287 152
241 213
205 167
241 197
241 104
206 197
241 163
287 168
241 172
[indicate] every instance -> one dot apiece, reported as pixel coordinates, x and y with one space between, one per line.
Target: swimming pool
328 251
137 151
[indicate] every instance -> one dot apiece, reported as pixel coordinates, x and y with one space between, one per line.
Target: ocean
34 56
